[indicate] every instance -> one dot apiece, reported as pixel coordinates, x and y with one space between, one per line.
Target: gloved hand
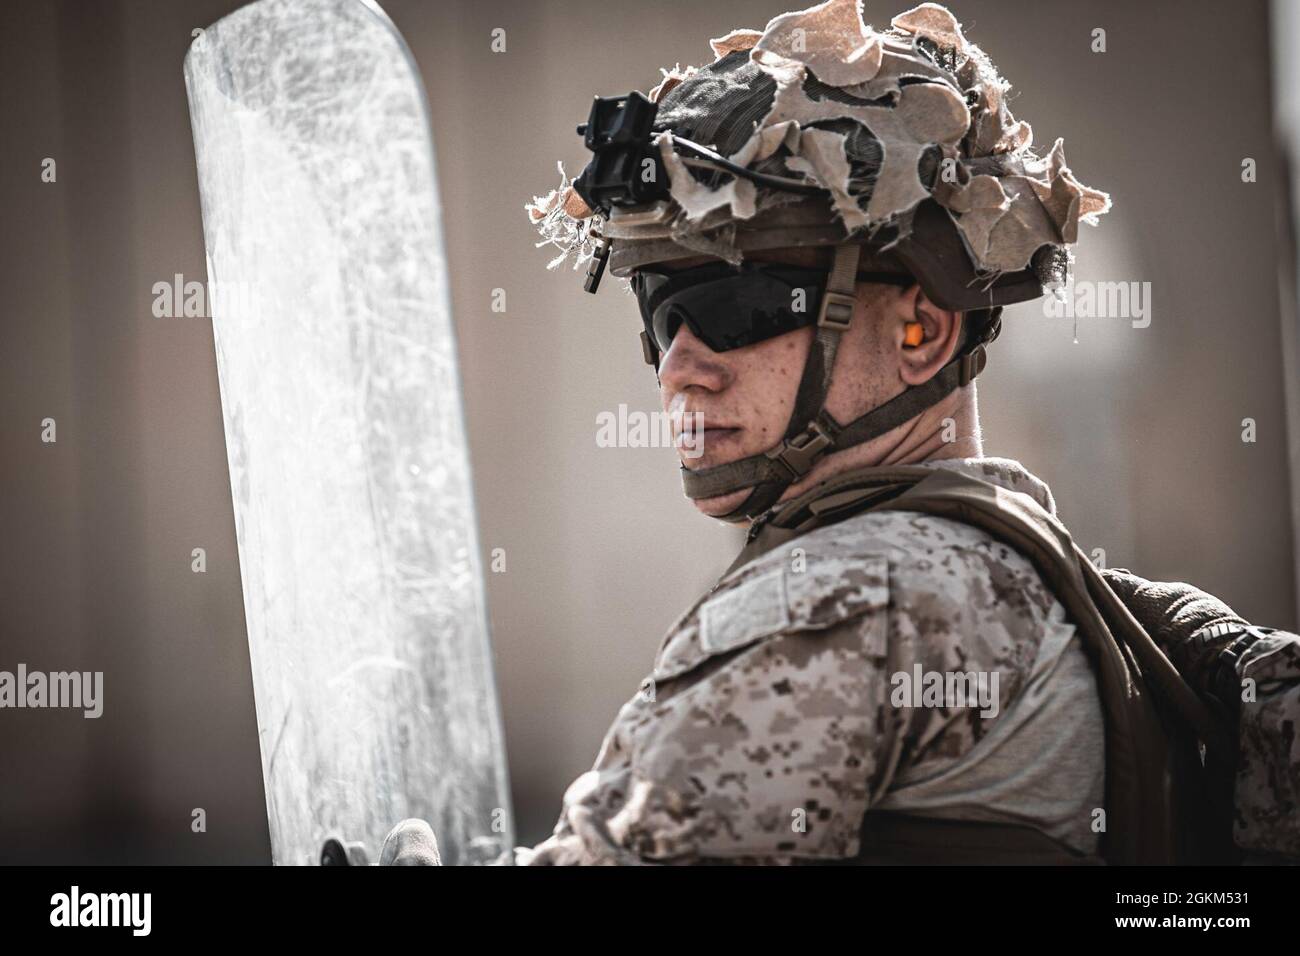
410 843
1173 613
1266 790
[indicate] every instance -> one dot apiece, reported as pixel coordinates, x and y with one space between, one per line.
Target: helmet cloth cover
882 121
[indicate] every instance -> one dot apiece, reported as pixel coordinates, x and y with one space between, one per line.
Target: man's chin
720 505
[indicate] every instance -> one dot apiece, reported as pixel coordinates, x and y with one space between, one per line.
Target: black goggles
728 307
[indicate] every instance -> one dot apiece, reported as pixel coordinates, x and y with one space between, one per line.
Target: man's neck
948 429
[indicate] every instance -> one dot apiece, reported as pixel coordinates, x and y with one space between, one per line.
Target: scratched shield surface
344 431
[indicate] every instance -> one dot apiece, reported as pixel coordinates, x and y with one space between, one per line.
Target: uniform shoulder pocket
792 596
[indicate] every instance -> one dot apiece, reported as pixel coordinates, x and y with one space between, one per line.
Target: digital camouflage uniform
771 724
771 729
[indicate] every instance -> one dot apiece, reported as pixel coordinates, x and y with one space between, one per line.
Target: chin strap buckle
798 454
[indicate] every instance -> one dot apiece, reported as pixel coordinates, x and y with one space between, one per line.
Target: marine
802 166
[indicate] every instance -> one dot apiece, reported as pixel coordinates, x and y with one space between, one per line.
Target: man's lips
708 432
700 448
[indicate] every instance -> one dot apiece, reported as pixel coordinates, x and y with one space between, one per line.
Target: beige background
1137 431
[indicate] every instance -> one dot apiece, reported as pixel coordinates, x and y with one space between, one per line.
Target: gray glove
1192 627
410 843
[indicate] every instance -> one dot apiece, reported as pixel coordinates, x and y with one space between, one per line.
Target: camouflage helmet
895 148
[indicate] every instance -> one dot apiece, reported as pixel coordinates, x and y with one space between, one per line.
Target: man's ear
939 334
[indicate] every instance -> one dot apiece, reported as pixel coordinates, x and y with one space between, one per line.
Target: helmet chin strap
812 432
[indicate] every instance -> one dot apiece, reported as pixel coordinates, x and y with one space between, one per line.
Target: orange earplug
913 334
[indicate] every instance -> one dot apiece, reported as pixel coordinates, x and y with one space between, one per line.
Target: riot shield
344 430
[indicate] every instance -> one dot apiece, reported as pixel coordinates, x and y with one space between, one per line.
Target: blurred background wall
1138 431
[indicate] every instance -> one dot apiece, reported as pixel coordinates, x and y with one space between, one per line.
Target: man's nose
689 362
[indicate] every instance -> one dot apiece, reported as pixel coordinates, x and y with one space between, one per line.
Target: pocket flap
782 598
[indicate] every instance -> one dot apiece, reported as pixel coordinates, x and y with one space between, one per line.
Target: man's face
743 398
